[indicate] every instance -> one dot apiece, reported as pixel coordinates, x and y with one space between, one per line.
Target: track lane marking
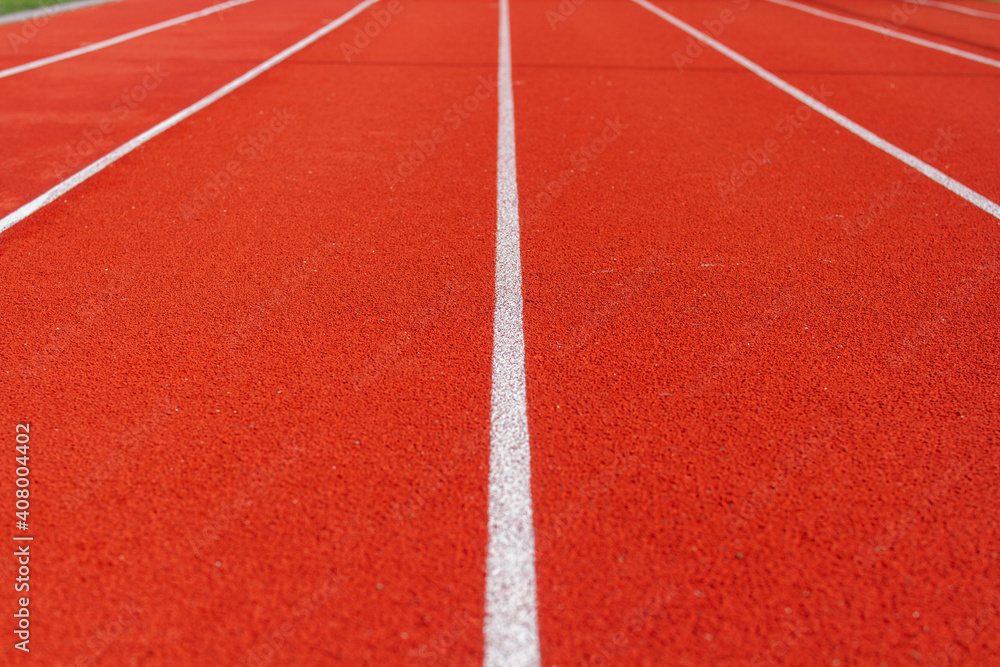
968 55
126 148
939 177
960 9
124 37
510 628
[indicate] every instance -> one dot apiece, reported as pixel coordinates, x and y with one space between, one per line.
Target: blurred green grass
8 6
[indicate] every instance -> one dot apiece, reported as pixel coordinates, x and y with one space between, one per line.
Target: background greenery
8 6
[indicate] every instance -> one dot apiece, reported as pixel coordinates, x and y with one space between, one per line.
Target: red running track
60 117
903 92
761 424
978 34
763 410
46 36
261 415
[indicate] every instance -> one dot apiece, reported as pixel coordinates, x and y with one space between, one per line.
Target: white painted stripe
927 170
97 46
968 55
960 9
128 147
28 14
510 630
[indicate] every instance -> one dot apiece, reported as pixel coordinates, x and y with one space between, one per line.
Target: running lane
57 119
763 426
257 368
46 36
934 105
976 33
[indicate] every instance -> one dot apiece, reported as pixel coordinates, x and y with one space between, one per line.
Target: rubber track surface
762 424
954 28
61 117
267 422
762 355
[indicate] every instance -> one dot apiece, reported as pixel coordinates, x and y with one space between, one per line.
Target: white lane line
939 177
968 55
960 9
510 630
28 14
128 147
97 46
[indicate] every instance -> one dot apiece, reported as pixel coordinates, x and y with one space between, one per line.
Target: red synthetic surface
59 118
975 33
764 412
46 36
311 350
753 387
903 92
